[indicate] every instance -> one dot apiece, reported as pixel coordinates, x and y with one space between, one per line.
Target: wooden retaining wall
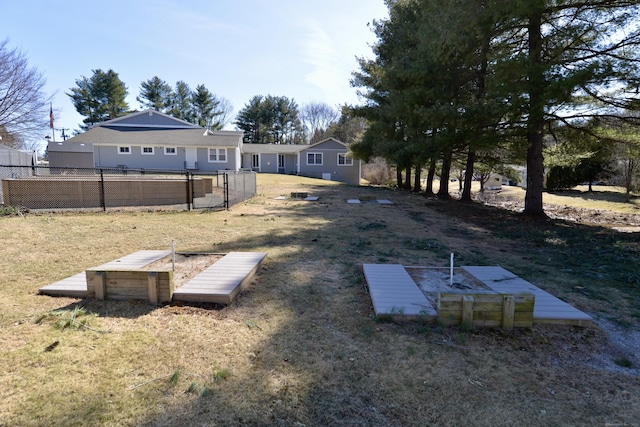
153 286
53 193
489 310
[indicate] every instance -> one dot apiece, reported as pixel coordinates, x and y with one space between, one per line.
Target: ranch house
156 141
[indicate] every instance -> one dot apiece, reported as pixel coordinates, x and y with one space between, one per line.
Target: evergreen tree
155 94
270 119
456 76
180 102
205 108
100 97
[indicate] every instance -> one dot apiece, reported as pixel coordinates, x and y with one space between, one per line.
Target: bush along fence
53 188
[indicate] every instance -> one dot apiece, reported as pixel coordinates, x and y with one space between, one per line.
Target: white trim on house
146 150
255 161
170 151
124 149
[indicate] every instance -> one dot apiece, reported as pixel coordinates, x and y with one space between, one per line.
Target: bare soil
434 280
185 267
623 222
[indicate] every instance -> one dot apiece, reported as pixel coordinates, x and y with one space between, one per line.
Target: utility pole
62 131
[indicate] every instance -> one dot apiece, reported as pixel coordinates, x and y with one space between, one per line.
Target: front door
281 168
191 158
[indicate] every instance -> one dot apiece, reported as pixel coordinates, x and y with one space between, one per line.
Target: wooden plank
224 280
152 281
74 286
520 298
99 284
487 310
467 312
135 260
548 309
166 286
394 293
508 312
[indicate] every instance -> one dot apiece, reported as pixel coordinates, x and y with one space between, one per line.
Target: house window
147 150
255 161
314 159
124 149
217 155
170 151
344 160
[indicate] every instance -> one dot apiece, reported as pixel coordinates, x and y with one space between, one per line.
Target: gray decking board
393 291
223 280
548 309
76 285
133 261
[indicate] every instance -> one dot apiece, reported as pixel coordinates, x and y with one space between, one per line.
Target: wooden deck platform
222 281
548 309
135 260
394 293
76 285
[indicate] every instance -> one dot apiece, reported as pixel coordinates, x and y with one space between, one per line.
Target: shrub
378 172
561 178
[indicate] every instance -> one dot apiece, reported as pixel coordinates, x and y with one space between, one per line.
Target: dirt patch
432 280
187 266
623 222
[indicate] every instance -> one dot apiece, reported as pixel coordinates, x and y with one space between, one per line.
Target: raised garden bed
154 282
468 302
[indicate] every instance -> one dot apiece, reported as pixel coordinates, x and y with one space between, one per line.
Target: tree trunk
416 179
407 178
443 191
430 175
535 124
468 176
398 177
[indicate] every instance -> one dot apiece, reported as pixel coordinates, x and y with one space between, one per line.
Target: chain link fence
56 188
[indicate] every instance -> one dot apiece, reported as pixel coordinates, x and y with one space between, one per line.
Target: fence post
225 180
103 203
188 191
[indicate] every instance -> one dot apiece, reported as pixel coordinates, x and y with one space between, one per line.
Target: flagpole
53 131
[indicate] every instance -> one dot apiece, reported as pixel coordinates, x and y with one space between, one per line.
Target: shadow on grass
602 196
329 362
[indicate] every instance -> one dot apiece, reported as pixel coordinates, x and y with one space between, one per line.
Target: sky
301 49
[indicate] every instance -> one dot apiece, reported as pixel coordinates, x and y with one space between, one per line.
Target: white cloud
324 69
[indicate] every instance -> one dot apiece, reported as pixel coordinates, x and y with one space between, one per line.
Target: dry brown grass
602 198
301 347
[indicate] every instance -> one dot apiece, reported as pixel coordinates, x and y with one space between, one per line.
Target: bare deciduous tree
316 118
24 104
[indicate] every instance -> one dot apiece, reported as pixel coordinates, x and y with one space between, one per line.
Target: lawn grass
300 346
603 197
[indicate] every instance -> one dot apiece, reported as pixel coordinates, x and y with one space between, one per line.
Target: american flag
51 115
